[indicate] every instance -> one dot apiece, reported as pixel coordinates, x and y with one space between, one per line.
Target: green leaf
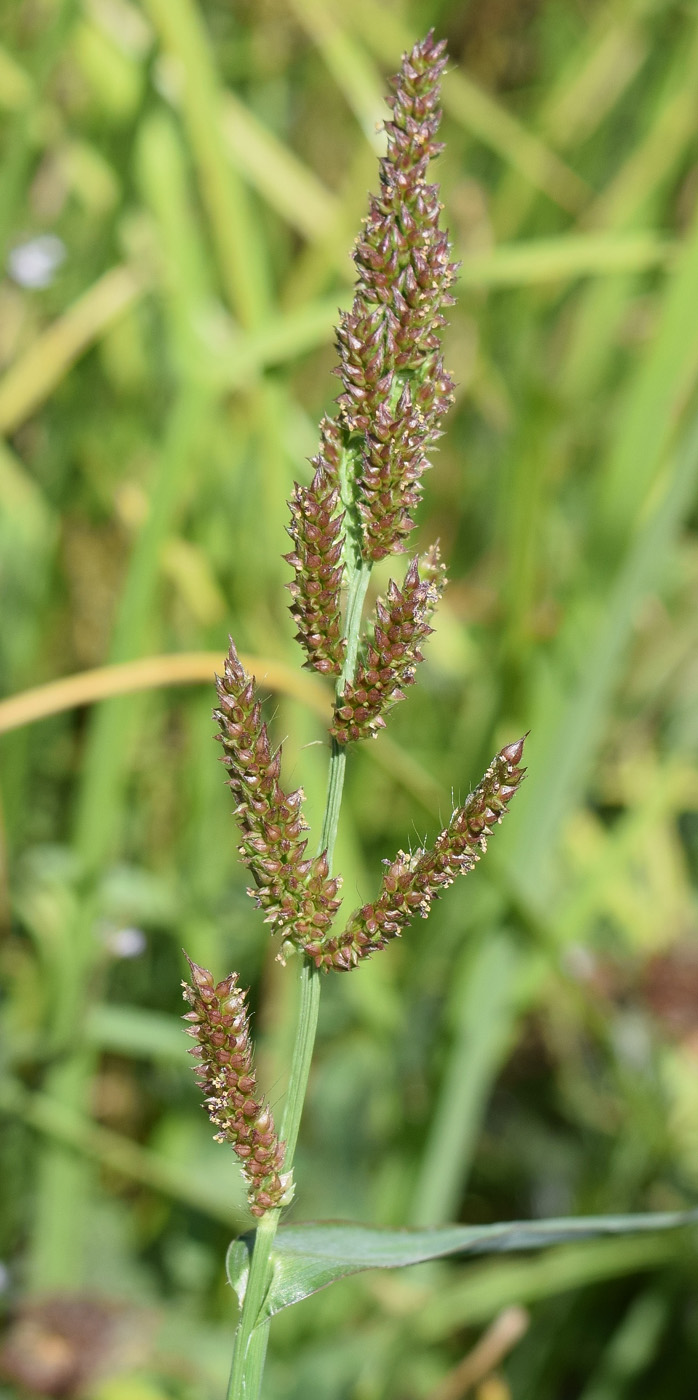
309 1257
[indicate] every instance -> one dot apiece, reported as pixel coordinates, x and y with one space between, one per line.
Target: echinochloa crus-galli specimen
357 508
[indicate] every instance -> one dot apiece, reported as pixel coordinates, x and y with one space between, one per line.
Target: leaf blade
310 1257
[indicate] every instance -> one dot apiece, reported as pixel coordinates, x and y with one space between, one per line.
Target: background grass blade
238 246
482 1035
44 364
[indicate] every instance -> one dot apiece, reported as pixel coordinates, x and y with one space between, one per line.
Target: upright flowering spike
219 1023
413 881
391 657
297 894
315 528
394 385
395 388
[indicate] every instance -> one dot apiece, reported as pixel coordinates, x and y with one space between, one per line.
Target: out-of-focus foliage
180 184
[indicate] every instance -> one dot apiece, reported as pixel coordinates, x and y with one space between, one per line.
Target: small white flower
34 264
125 942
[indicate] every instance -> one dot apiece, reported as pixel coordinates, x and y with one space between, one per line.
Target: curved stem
253 1331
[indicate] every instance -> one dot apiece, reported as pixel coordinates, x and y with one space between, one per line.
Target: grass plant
530 1051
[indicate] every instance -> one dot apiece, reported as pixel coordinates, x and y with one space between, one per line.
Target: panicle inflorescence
219 1023
317 558
391 657
413 881
356 510
297 893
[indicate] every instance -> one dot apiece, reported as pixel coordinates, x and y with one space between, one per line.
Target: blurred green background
180 185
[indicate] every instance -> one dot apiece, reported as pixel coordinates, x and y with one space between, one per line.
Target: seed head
390 660
394 385
413 881
395 388
316 558
219 1023
297 894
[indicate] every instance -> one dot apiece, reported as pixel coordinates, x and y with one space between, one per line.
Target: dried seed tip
432 568
316 522
390 657
412 881
227 1079
296 895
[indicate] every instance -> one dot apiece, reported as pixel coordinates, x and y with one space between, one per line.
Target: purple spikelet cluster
219 1023
391 657
395 387
296 893
413 881
316 558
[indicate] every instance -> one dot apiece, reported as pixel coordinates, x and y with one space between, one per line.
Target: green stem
338 759
253 1334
